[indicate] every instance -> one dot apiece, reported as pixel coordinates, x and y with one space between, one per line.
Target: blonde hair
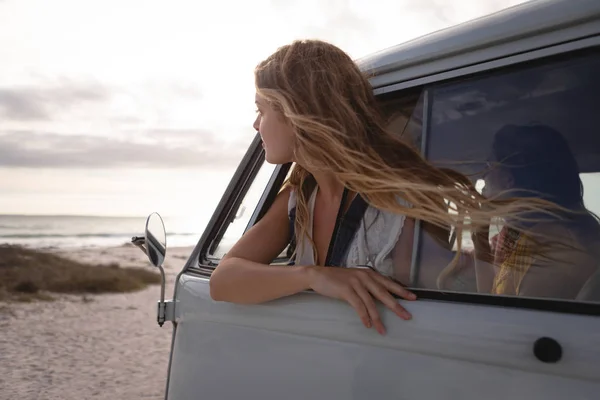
339 129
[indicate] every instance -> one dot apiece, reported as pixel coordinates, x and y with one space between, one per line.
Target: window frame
230 202
254 157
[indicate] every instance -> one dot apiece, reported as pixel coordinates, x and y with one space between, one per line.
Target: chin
270 159
274 162
273 159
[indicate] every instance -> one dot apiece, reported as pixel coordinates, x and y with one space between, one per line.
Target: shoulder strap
292 219
292 242
347 229
338 221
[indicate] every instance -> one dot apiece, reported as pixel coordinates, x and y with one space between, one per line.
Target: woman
316 109
550 256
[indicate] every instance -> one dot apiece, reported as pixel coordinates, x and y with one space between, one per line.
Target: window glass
285 257
238 225
404 115
532 131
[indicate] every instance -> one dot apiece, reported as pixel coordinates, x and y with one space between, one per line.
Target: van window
244 212
534 131
404 114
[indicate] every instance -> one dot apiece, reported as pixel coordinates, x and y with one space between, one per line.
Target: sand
89 347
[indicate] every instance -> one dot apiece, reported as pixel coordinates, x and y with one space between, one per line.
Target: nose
256 124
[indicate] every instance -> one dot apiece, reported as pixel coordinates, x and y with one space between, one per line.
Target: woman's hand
360 287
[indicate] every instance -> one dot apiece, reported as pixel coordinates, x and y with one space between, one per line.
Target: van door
460 344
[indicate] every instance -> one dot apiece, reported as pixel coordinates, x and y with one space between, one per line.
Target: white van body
459 345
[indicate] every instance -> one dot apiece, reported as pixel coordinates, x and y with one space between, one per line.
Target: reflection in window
529 132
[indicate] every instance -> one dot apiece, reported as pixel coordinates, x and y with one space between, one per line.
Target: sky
125 107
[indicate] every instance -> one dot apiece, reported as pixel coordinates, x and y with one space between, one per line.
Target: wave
21 227
81 235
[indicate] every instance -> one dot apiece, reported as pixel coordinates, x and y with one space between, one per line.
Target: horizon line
87 216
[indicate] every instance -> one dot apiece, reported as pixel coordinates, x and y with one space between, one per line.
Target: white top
373 241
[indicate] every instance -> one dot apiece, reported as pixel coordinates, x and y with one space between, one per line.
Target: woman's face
276 133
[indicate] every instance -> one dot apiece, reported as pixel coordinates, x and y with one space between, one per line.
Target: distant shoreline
91 247
69 232
87 216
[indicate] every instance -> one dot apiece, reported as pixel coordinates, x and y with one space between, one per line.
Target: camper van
449 92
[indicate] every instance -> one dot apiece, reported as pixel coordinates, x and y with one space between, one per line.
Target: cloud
19 104
184 137
35 103
47 150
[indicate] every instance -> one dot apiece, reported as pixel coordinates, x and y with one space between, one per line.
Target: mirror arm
155 250
139 242
162 306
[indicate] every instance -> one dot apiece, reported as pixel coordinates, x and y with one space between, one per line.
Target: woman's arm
244 274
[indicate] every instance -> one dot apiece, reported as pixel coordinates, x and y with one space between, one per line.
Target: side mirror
154 244
155 239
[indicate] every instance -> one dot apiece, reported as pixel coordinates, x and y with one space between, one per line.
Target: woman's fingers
394 287
381 292
356 302
371 307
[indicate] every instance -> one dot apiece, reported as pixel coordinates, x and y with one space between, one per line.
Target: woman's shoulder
383 222
389 214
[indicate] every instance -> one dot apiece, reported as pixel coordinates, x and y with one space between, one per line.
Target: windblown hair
339 129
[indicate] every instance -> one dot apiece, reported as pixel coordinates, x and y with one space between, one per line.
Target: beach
106 346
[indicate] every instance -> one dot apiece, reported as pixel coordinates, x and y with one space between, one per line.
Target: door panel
307 346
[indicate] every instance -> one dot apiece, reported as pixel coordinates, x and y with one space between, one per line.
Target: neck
330 188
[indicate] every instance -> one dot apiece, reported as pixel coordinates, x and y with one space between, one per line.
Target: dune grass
27 275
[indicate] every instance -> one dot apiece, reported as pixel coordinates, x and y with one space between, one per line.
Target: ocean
81 231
